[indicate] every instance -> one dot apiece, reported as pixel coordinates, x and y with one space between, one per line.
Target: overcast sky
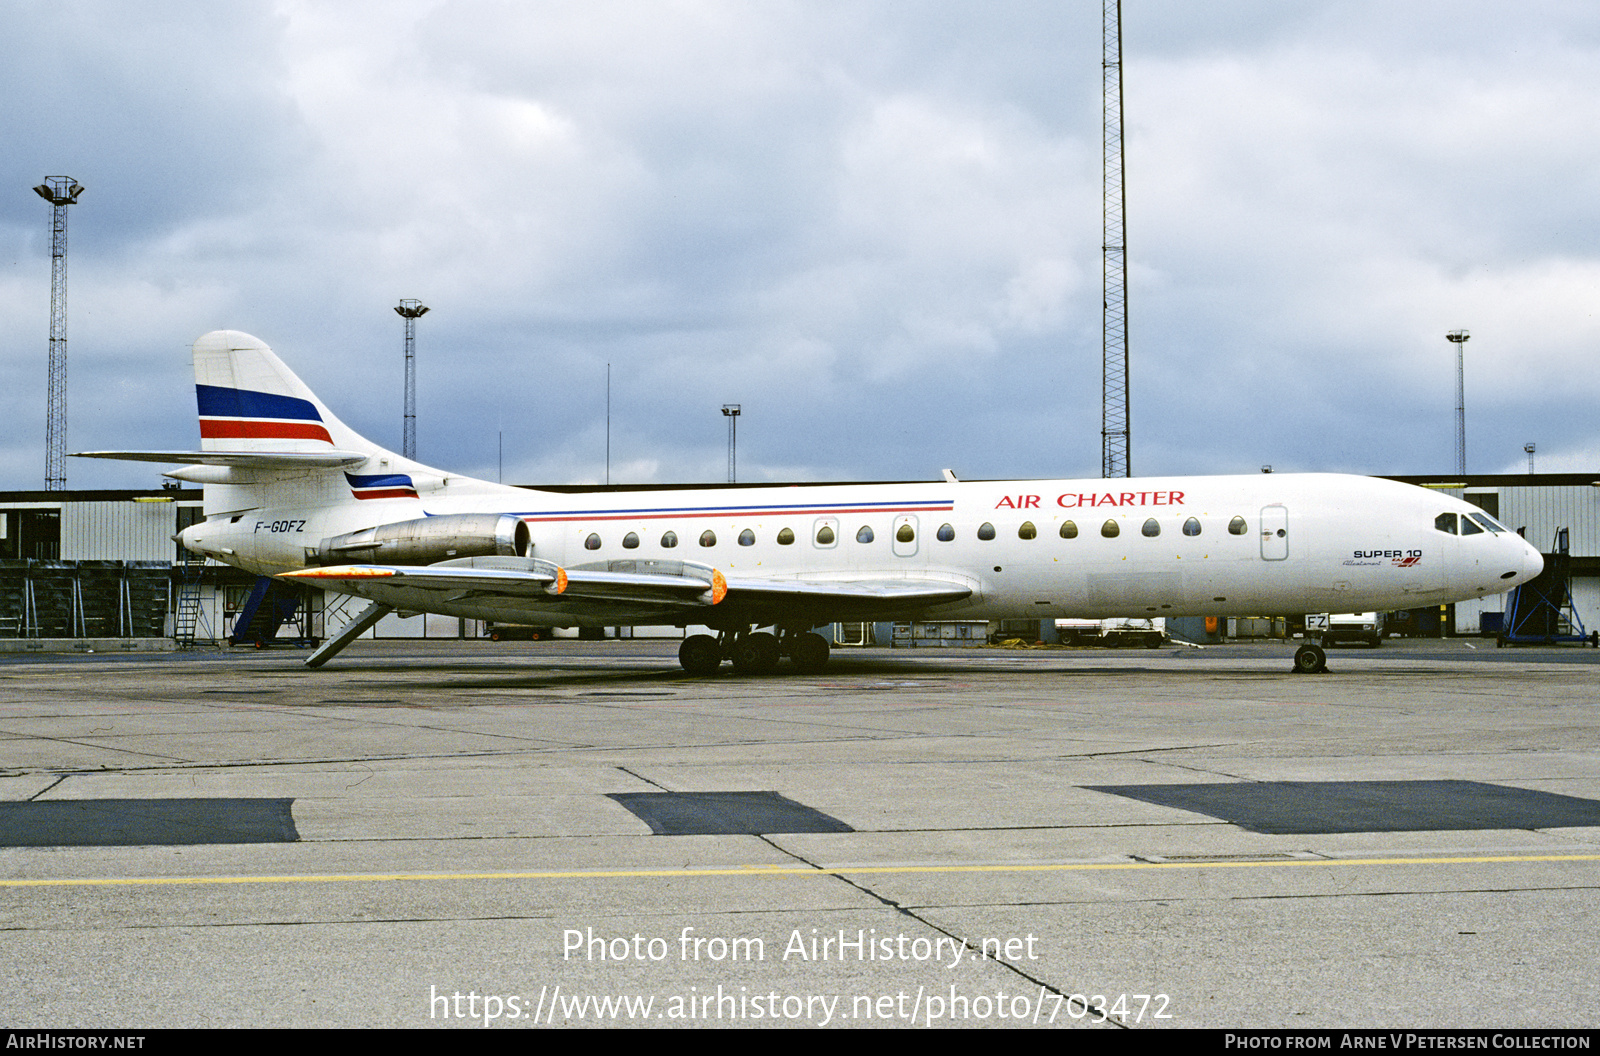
874 225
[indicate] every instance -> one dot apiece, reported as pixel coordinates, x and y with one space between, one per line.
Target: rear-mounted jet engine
429 540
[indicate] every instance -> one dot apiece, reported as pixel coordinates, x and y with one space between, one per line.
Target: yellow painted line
786 871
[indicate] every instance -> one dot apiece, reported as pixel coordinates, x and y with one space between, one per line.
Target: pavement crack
966 946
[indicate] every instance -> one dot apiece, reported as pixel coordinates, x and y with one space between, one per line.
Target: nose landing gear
1310 659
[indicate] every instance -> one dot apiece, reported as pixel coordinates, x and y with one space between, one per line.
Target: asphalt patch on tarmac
725 813
1291 808
146 822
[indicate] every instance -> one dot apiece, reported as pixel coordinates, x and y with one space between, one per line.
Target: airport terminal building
101 567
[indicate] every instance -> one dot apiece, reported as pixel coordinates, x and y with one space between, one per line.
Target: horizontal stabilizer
244 459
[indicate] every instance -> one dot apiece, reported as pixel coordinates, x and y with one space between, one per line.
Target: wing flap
841 599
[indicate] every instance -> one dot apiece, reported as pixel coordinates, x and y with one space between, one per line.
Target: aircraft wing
246 459
631 591
764 601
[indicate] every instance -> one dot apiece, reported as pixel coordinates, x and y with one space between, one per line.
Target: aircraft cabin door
1274 532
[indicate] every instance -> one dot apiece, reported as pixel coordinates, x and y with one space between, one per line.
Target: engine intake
429 540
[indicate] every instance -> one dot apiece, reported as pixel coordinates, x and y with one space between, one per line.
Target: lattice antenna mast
411 310
1114 426
60 192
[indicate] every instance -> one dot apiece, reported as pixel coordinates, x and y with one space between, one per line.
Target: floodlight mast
60 192
731 411
411 309
1459 338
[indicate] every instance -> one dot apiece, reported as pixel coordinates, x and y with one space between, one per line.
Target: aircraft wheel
1309 660
755 654
811 653
700 655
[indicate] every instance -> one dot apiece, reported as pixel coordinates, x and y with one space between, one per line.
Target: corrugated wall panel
118 531
1543 510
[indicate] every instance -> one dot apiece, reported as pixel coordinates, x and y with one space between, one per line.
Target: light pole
410 309
731 411
1529 447
1459 338
60 192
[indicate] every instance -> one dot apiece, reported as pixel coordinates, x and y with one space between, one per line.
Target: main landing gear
754 653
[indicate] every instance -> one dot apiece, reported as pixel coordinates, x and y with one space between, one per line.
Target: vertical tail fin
250 401
267 441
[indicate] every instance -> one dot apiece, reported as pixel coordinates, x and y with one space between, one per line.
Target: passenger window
946 533
592 543
985 530
1151 528
1027 531
747 538
906 534
864 535
785 537
1069 530
1237 526
630 541
1445 522
708 538
1110 529
1191 526
669 540
825 536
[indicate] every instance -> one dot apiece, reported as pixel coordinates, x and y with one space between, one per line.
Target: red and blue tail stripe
242 414
382 486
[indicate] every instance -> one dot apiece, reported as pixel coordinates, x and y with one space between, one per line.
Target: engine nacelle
430 540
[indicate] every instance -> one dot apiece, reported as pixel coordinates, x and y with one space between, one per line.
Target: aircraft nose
1528 561
1532 562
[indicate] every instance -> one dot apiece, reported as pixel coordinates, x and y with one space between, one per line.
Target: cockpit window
1445 522
1470 528
1488 522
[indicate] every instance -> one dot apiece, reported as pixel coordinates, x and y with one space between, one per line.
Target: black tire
810 653
756 654
700 655
1310 659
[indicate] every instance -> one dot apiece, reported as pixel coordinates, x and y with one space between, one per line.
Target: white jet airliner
291 491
